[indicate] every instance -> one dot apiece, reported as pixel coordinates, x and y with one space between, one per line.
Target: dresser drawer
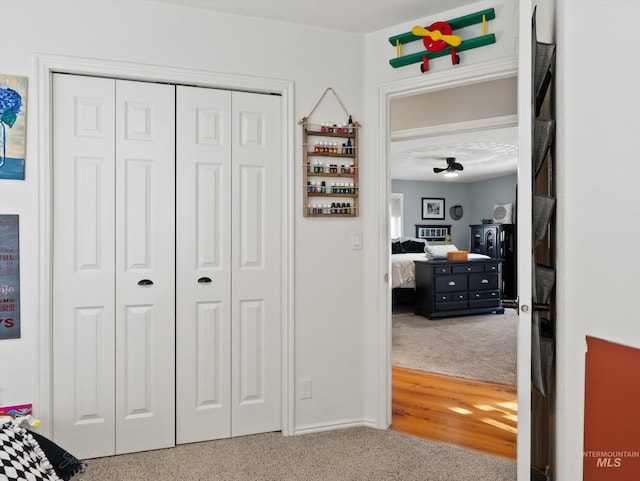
450 306
467 268
482 303
451 283
483 281
439 270
450 296
474 295
492 267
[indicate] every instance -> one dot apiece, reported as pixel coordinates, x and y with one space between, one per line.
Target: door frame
46 66
451 78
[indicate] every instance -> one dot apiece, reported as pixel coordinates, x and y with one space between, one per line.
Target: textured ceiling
484 154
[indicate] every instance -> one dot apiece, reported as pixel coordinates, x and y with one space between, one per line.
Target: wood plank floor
472 414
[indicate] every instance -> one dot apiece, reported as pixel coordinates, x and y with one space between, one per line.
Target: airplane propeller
453 40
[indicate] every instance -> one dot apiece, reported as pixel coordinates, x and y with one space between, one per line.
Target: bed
403 271
404 252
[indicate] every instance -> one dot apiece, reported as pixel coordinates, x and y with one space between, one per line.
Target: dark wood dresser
458 288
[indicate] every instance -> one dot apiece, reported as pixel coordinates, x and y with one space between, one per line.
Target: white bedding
403 272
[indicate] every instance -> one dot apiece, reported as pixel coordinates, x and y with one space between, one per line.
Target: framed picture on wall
432 208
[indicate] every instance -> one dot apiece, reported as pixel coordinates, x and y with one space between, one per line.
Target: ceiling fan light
451 173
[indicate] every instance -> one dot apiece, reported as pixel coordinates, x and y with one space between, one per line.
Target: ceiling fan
451 169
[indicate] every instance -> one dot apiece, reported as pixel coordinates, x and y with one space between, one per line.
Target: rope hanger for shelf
304 119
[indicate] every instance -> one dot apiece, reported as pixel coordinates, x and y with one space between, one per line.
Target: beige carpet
356 454
483 347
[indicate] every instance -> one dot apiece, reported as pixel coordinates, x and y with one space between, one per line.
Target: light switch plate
356 241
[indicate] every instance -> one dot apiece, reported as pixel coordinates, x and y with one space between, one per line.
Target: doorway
439 81
477 346
485 150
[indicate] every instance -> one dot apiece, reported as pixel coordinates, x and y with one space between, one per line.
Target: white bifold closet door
113 267
228 322
167 276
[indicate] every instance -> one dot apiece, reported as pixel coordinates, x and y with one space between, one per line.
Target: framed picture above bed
433 208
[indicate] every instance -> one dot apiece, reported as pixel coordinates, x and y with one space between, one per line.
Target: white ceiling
484 154
359 16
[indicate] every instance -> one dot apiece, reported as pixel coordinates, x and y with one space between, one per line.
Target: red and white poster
611 419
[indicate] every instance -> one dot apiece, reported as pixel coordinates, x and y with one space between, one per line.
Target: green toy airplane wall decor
439 40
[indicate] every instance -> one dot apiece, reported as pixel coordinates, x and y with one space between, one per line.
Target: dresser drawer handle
484 281
469 268
451 283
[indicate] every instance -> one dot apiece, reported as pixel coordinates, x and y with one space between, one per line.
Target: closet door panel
83 260
252 216
203 338
252 380
256 276
145 267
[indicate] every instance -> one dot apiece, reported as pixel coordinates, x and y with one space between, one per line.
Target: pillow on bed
439 251
396 248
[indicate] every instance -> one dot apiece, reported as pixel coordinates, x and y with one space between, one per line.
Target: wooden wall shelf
325 183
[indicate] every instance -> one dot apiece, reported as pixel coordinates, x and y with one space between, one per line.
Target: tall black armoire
498 241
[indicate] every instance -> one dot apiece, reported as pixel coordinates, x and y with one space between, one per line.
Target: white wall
328 307
597 174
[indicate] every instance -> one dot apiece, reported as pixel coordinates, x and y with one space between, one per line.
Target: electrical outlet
305 389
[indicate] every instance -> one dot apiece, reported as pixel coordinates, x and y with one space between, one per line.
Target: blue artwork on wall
13 126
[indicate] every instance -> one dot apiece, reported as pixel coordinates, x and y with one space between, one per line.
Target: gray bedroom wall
453 193
477 200
487 193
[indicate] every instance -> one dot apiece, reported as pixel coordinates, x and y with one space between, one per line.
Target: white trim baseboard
344 424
